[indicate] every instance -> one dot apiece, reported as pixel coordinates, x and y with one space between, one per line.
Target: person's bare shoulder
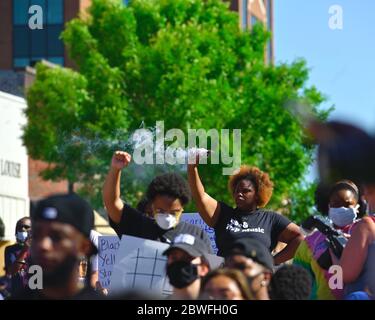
365 226
366 222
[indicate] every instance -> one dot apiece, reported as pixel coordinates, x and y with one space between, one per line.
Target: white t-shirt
94 237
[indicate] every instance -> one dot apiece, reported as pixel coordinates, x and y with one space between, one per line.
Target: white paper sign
140 264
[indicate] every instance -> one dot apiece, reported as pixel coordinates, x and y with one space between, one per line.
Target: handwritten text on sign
108 246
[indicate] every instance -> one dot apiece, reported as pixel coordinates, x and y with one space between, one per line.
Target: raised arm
208 207
111 187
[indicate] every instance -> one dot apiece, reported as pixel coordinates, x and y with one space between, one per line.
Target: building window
55 12
254 20
269 26
32 45
269 14
244 14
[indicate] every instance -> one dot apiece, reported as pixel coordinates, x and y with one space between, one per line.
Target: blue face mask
343 216
21 236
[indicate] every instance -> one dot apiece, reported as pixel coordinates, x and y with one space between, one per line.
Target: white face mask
21 236
343 216
165 220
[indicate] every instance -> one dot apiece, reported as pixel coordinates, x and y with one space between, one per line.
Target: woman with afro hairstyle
166 196
251 190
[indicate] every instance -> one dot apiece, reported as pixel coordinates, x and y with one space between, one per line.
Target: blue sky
341 61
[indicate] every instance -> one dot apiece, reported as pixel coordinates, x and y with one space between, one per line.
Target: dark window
56 60
244 14
42 4
269 14
39 43
21 45
55 45
55 13
269 25
31 45
20 12
21 62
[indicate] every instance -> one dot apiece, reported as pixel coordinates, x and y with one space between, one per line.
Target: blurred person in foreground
347 151
187 264
358 258
254 260
225 284
61 239
290 282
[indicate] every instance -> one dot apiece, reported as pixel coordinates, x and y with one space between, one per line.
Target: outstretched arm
111 188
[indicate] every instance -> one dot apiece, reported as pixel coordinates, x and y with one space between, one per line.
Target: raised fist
120 160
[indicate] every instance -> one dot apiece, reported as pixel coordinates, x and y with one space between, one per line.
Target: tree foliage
185 62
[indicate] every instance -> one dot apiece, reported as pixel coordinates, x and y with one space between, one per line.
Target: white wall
14 200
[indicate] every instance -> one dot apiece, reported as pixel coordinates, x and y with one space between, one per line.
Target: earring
263 283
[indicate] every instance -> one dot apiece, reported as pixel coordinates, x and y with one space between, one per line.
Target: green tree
185 62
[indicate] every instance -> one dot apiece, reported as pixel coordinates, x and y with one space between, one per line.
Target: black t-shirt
136 224
265 226
86 293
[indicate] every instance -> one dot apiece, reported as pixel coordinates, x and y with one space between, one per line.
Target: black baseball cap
253 249
192 245
66 208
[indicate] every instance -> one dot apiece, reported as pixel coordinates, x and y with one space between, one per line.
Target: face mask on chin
165 220
343 216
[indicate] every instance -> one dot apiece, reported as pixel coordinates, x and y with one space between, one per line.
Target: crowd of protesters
59 236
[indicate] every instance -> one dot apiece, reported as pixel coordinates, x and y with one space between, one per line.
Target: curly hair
291 282
144 206
261 181
169 184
